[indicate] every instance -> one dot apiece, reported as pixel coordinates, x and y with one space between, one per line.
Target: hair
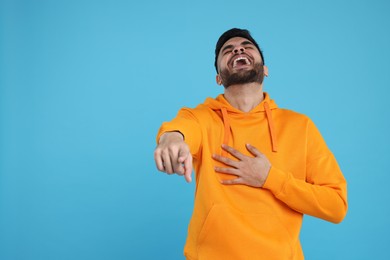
234 32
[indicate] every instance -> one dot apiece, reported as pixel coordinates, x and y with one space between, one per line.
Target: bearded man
258 168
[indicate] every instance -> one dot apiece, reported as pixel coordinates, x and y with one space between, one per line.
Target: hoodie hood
220 104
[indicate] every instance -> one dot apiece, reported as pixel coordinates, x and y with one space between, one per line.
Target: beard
243 76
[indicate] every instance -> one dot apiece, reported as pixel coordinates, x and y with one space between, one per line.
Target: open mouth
241 61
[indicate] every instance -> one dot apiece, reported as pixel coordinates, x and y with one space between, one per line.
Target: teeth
239 59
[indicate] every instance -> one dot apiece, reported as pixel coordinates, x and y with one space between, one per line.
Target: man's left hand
251 171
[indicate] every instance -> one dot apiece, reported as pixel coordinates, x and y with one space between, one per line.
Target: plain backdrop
85 85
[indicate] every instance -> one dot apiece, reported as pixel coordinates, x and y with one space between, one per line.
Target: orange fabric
226 128
271 127
242 222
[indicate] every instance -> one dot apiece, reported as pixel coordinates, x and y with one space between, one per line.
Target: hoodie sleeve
187 124
324 192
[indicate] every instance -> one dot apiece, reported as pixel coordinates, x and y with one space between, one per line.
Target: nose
238 49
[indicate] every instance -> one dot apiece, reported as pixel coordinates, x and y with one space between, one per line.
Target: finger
253 150
158 160
178 168
232 181
225 160
233 152
231 171
175 164
182 155
188 168
166 158
181 161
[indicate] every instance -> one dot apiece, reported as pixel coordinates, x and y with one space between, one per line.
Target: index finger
185 158
253 150
233 151
188 168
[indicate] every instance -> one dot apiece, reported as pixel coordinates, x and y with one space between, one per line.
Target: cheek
257 57
222 63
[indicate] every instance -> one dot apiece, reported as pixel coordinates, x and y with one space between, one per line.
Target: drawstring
271 127
227 129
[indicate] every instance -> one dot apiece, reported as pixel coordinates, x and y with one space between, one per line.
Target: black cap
235 32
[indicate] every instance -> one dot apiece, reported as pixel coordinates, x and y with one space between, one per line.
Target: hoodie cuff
275 181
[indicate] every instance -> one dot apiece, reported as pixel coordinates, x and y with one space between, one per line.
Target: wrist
172 135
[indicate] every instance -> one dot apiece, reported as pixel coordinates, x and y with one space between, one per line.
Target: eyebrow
231 46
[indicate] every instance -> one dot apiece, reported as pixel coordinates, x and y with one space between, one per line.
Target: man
258 168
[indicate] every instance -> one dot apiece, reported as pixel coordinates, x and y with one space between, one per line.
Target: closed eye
227 51
247 44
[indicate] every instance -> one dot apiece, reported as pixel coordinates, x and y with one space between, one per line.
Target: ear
265 71
218 79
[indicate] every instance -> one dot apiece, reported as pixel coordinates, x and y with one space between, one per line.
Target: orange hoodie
242 222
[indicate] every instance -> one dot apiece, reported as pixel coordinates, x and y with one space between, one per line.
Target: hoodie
243 222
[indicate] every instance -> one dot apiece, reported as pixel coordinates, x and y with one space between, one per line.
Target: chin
242 76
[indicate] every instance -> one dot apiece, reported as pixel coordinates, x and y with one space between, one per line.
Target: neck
244 97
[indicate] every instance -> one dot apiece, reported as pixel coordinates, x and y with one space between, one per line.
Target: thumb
182 156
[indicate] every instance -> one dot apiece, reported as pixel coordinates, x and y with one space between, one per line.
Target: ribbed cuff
276 180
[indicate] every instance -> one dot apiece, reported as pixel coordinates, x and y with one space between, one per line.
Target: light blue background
85 85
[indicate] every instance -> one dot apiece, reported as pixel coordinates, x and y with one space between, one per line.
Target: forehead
236 41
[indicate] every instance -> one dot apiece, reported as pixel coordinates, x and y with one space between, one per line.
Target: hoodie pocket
230 234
